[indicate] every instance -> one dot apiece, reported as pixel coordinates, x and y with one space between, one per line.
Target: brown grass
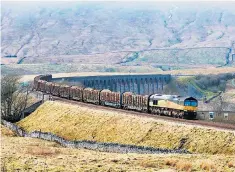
208 165
6 132
30 154
171 162
231 164
149 164
75 122
115 160
42 151
184 166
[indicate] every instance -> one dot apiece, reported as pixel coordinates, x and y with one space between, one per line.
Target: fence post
40 133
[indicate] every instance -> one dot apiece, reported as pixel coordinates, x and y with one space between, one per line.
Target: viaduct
139 84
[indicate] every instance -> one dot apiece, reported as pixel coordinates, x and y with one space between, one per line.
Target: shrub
208 165
171 162
42 151
218 81
149 164
231 164
114 160
184 166
7 132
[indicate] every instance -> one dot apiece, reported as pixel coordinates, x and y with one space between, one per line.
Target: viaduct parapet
139 84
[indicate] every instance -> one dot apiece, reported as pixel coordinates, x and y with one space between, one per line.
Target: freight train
168 105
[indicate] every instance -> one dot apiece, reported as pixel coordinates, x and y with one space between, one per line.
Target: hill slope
115 32
80 123
27 154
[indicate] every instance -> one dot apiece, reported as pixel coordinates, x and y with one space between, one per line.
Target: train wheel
158 113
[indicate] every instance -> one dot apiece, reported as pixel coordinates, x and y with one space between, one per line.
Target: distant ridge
49 30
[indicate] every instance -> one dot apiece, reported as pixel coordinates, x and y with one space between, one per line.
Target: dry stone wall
92 145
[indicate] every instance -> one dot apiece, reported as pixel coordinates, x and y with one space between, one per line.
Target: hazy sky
127 0
230 5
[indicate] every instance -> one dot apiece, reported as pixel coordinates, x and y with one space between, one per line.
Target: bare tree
14 98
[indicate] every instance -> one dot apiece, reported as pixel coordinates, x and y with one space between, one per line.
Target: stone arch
97 86
92 83
105 84
151 82
101 84
109 84
114 83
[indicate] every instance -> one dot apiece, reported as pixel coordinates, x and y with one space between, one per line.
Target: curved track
135 113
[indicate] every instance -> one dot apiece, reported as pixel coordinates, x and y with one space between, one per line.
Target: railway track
217 125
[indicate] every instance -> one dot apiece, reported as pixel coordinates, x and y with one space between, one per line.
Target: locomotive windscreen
190 102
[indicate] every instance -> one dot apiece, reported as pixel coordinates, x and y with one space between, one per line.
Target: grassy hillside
81 123
183 82
28 154
212 56
206 85
25 69
77 69
230 91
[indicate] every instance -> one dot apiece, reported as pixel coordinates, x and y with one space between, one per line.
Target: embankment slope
81 123
27 154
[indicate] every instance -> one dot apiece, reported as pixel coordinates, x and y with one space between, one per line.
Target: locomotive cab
190 108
